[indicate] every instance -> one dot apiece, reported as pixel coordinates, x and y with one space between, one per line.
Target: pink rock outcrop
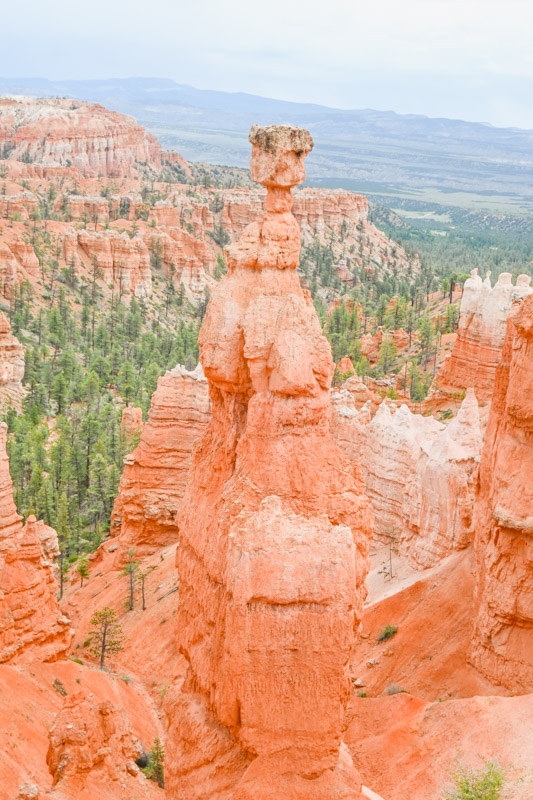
145 513
31 622
86 136
420 475
11 366
502 644
480 335
274 529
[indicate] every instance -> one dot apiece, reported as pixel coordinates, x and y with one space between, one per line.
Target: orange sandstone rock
502 645
31 623
86 735
480 336
420 475
145 513
274 530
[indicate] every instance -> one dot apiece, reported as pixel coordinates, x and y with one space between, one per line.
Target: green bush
58 686
485 783
387 633
156 760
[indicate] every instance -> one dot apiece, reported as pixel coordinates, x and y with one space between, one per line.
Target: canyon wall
502 645
86 136
420 475
480 335
31 622
145 513
274 529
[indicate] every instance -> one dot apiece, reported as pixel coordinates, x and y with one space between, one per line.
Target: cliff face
502 646
11 366
480 336
145 513
274 528
86 136
31 623
420 475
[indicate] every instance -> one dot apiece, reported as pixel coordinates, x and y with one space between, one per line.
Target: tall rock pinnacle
274 529
502 641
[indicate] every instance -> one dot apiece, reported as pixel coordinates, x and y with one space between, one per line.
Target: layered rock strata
145 513
274 529
31 622
86 136
420 475
502 645
480 335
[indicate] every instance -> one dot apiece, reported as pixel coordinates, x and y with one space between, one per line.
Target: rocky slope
145 513
480 335
267 486
502 645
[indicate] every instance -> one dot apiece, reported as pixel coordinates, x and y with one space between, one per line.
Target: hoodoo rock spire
274 529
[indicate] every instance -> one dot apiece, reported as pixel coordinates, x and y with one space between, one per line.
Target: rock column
274 530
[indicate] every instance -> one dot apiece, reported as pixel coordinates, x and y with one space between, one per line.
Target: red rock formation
131 422
87 136
11 366
502 646
345 366
480 336
420 475
440 507
192 258
156 473
273 532
121 259
88 735
8 271
30 619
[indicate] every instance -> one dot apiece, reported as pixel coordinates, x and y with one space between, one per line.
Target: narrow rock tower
502 640
274 529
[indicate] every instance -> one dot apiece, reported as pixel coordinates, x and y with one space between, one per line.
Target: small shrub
393 688
485 783
87 642
361 694
125 678
387 633
76 660
58 686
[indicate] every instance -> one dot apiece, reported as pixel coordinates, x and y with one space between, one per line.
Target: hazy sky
471 59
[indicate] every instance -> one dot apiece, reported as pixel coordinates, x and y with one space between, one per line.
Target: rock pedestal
274 530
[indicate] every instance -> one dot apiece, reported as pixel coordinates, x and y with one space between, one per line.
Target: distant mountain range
378 152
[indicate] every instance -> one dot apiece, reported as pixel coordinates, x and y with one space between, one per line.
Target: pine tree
106 634
63 536
82 568
130 570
